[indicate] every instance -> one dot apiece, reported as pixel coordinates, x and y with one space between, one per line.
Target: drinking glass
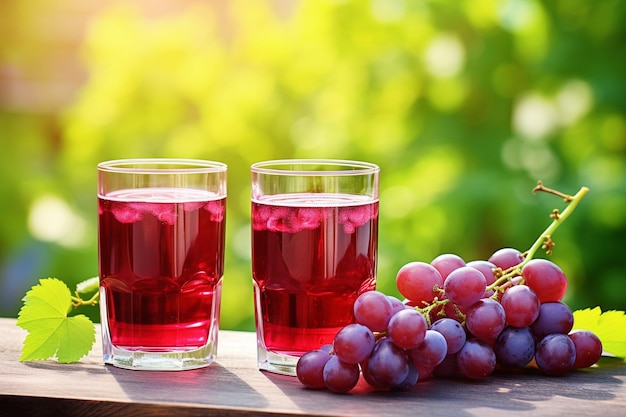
314 250
161 226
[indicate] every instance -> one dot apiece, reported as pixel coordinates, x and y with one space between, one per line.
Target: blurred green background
463 104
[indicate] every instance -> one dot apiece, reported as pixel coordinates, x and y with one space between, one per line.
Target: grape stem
77 300
545 239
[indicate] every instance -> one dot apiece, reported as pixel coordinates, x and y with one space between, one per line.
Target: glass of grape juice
314 250
161 235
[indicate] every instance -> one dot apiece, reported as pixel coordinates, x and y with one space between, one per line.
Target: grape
486 319
396 305
515 347
546 279
407 328
388 364
339 376
447 263
486 268
452 331
431 352
521 306
424 372
464 286
354 343
417 282
373 309
326 348
555 317
447 368
555 354
410 380
476 359
310 368
368 376
506 258
588 348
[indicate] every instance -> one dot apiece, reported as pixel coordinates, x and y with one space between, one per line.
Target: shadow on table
213 386
214 390
525 391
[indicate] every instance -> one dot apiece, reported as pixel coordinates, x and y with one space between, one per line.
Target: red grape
417 282
521 306
373 309
464 286
407 328
546 279
588 348
447 263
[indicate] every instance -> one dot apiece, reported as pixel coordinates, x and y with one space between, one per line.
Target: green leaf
609 326
50 331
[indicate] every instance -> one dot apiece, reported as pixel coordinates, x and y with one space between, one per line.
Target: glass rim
271 167
151 166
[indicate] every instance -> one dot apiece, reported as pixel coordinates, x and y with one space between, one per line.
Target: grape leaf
609 326
50 331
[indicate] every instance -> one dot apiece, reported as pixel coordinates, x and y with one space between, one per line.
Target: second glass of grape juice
314 250
161 260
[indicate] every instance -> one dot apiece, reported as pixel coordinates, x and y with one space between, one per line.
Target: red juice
313 254
161 265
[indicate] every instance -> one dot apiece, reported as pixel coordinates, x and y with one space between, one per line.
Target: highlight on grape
459 319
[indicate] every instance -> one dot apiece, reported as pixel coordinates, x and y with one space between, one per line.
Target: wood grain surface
234 387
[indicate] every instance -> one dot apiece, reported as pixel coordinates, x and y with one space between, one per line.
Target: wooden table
233 386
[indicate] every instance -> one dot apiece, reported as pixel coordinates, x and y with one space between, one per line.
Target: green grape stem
78 301
544 241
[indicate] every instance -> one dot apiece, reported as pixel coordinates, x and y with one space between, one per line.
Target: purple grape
310 368
369 378
485 319
388 364
431 352
515 347
476 359
339 376
452 331
410 380
554 317
354 343
448 367
555 354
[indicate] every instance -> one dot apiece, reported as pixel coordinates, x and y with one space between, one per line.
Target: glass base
174 359
276 363
160 361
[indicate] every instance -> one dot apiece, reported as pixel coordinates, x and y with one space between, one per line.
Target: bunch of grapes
458 319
